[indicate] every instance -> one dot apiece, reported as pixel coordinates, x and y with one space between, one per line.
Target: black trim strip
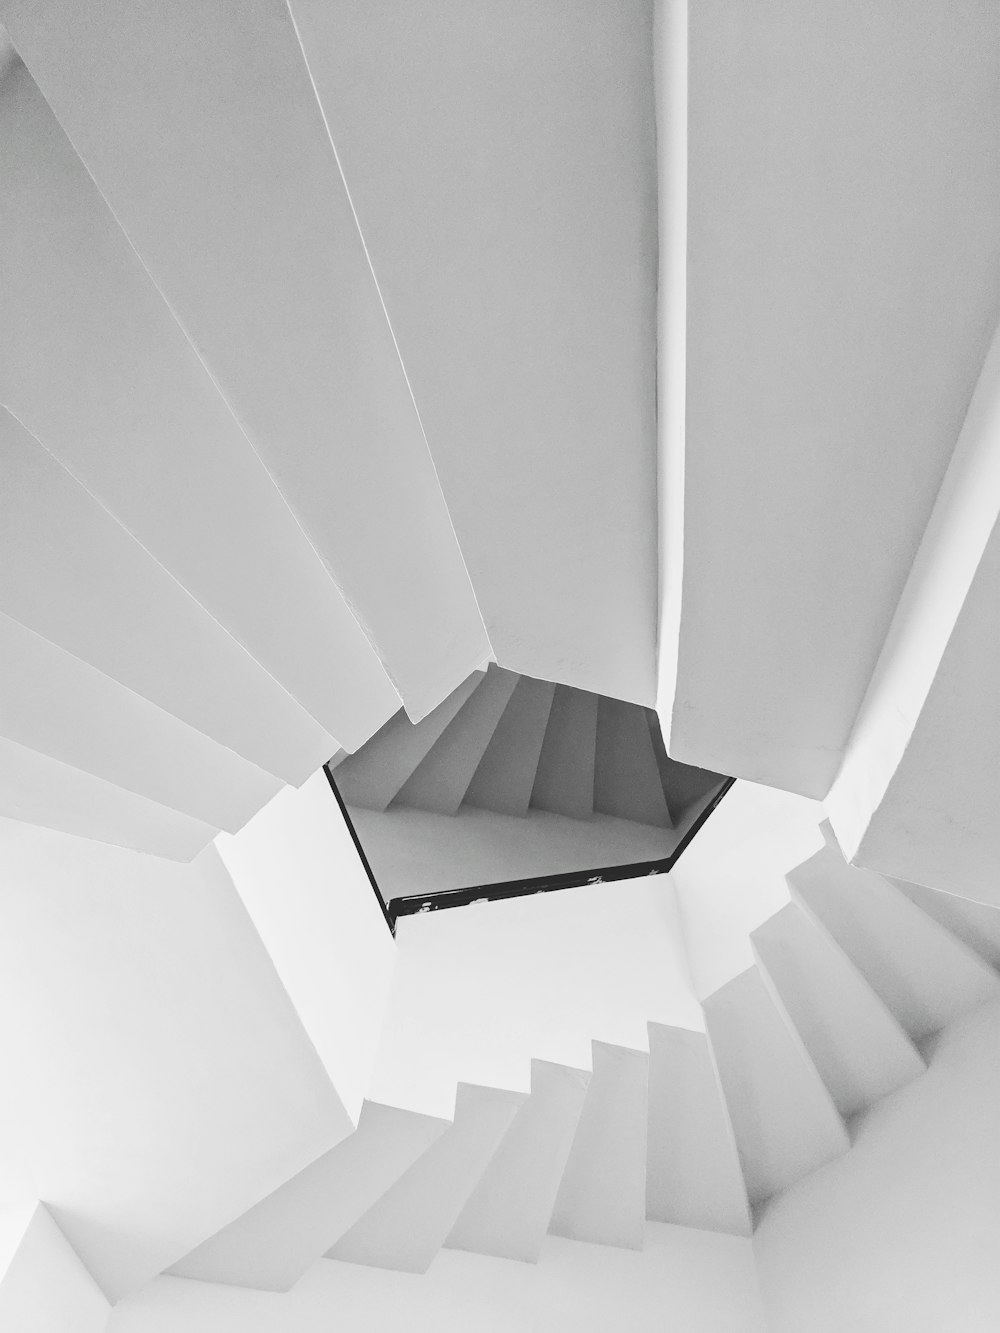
387 912
412 904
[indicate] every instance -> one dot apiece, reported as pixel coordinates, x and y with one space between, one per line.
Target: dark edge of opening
413 904
387 908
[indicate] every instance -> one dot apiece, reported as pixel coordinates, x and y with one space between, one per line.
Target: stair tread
626 777
373 776
441 779
975 923
920 970
406 1227
859 1049
694 1178
602 1194
508 1212
505 775
273 1243
783 1117
564 780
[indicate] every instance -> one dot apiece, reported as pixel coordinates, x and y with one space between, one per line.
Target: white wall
299 875
157 1080
732 876
478 991
904 1231
688 1281
44 1288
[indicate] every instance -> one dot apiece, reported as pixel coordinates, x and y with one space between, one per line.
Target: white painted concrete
480 991
52 702
441 780
732 876
602 1194
508 1212
693 1173
506 773
833 347
43 791
272 1244
627 779
70 572
157 1078
44 1288
690 1280
903 1232
976 924
939 820
205 136
300 878
93 360
784 1120
952 592
670 65
408 1225
926 976
512 148
374 776
859 1049
564 780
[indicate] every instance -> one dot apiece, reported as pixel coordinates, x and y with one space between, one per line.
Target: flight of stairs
701 1129
585 778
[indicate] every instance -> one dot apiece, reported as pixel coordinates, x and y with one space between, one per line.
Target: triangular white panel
975 924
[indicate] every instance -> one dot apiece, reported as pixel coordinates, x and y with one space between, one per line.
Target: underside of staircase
512 780
564 431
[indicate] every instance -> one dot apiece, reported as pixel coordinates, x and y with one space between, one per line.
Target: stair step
602 1195
38 790
564 781
683 784
626 777
506 773
975 924
72 574
373 776
860 1051
693 1173
509 1211
139 421
273 1243
923 973
266 270
407 1226
783 1118
440 781
52 702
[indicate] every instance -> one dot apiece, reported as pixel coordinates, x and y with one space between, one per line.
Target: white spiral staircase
332 429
